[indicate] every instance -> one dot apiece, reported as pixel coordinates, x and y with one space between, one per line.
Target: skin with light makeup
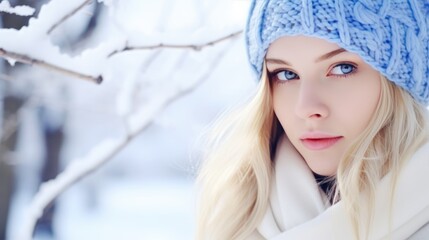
313 101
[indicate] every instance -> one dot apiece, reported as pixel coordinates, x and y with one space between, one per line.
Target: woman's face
323 96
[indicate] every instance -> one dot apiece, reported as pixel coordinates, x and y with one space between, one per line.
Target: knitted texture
390 35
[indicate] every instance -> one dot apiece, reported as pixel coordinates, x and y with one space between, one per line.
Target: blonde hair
234 181
397 129
235 178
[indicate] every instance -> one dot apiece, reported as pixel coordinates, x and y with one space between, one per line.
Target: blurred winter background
169 68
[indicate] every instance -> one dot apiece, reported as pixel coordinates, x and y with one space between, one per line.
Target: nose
311 102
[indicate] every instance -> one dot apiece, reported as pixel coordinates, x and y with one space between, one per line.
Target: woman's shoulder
421 234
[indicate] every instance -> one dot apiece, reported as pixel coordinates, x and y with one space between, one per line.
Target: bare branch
192 47
32 61
67 16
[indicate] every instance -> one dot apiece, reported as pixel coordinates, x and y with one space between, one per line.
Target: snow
89 62
126 208
153 210
22 10
50 14
49 190
126 96
145 191
11 61
92 61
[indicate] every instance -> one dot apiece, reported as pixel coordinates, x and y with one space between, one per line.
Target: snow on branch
11 57
18 45
75 171
101 58
54 13
178 46
21 10
106 150
70 14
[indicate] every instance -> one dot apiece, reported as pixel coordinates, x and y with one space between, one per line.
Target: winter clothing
391 36
300 210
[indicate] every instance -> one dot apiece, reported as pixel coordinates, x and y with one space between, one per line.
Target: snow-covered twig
70 14
106 150
18 45
75 171
9 55
32 61
189 46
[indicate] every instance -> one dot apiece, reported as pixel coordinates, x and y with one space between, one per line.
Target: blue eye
285 75
343 69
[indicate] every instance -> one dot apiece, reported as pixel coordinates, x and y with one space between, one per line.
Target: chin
323 170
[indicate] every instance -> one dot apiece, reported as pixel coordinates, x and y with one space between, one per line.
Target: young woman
334 145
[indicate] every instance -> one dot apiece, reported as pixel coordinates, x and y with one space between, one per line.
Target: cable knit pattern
390 35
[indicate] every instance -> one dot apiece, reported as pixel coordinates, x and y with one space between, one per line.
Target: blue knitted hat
390 35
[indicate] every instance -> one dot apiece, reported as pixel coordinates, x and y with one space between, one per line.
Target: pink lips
318 140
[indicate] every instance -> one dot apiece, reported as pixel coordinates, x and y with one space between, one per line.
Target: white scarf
300 210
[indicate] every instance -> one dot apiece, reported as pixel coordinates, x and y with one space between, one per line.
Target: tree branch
102 153
67 16
177 46
98 79
32 61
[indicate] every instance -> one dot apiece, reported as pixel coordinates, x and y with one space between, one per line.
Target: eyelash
273 75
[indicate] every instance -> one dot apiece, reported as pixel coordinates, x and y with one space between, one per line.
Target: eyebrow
321 58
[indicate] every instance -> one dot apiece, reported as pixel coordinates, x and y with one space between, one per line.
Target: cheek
283 104
360 104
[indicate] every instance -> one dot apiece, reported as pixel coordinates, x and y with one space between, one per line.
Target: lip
319 140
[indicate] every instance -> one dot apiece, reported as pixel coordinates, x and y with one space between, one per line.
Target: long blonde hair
397 129
234 180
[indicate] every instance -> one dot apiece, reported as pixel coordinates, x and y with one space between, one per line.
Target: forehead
299 45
